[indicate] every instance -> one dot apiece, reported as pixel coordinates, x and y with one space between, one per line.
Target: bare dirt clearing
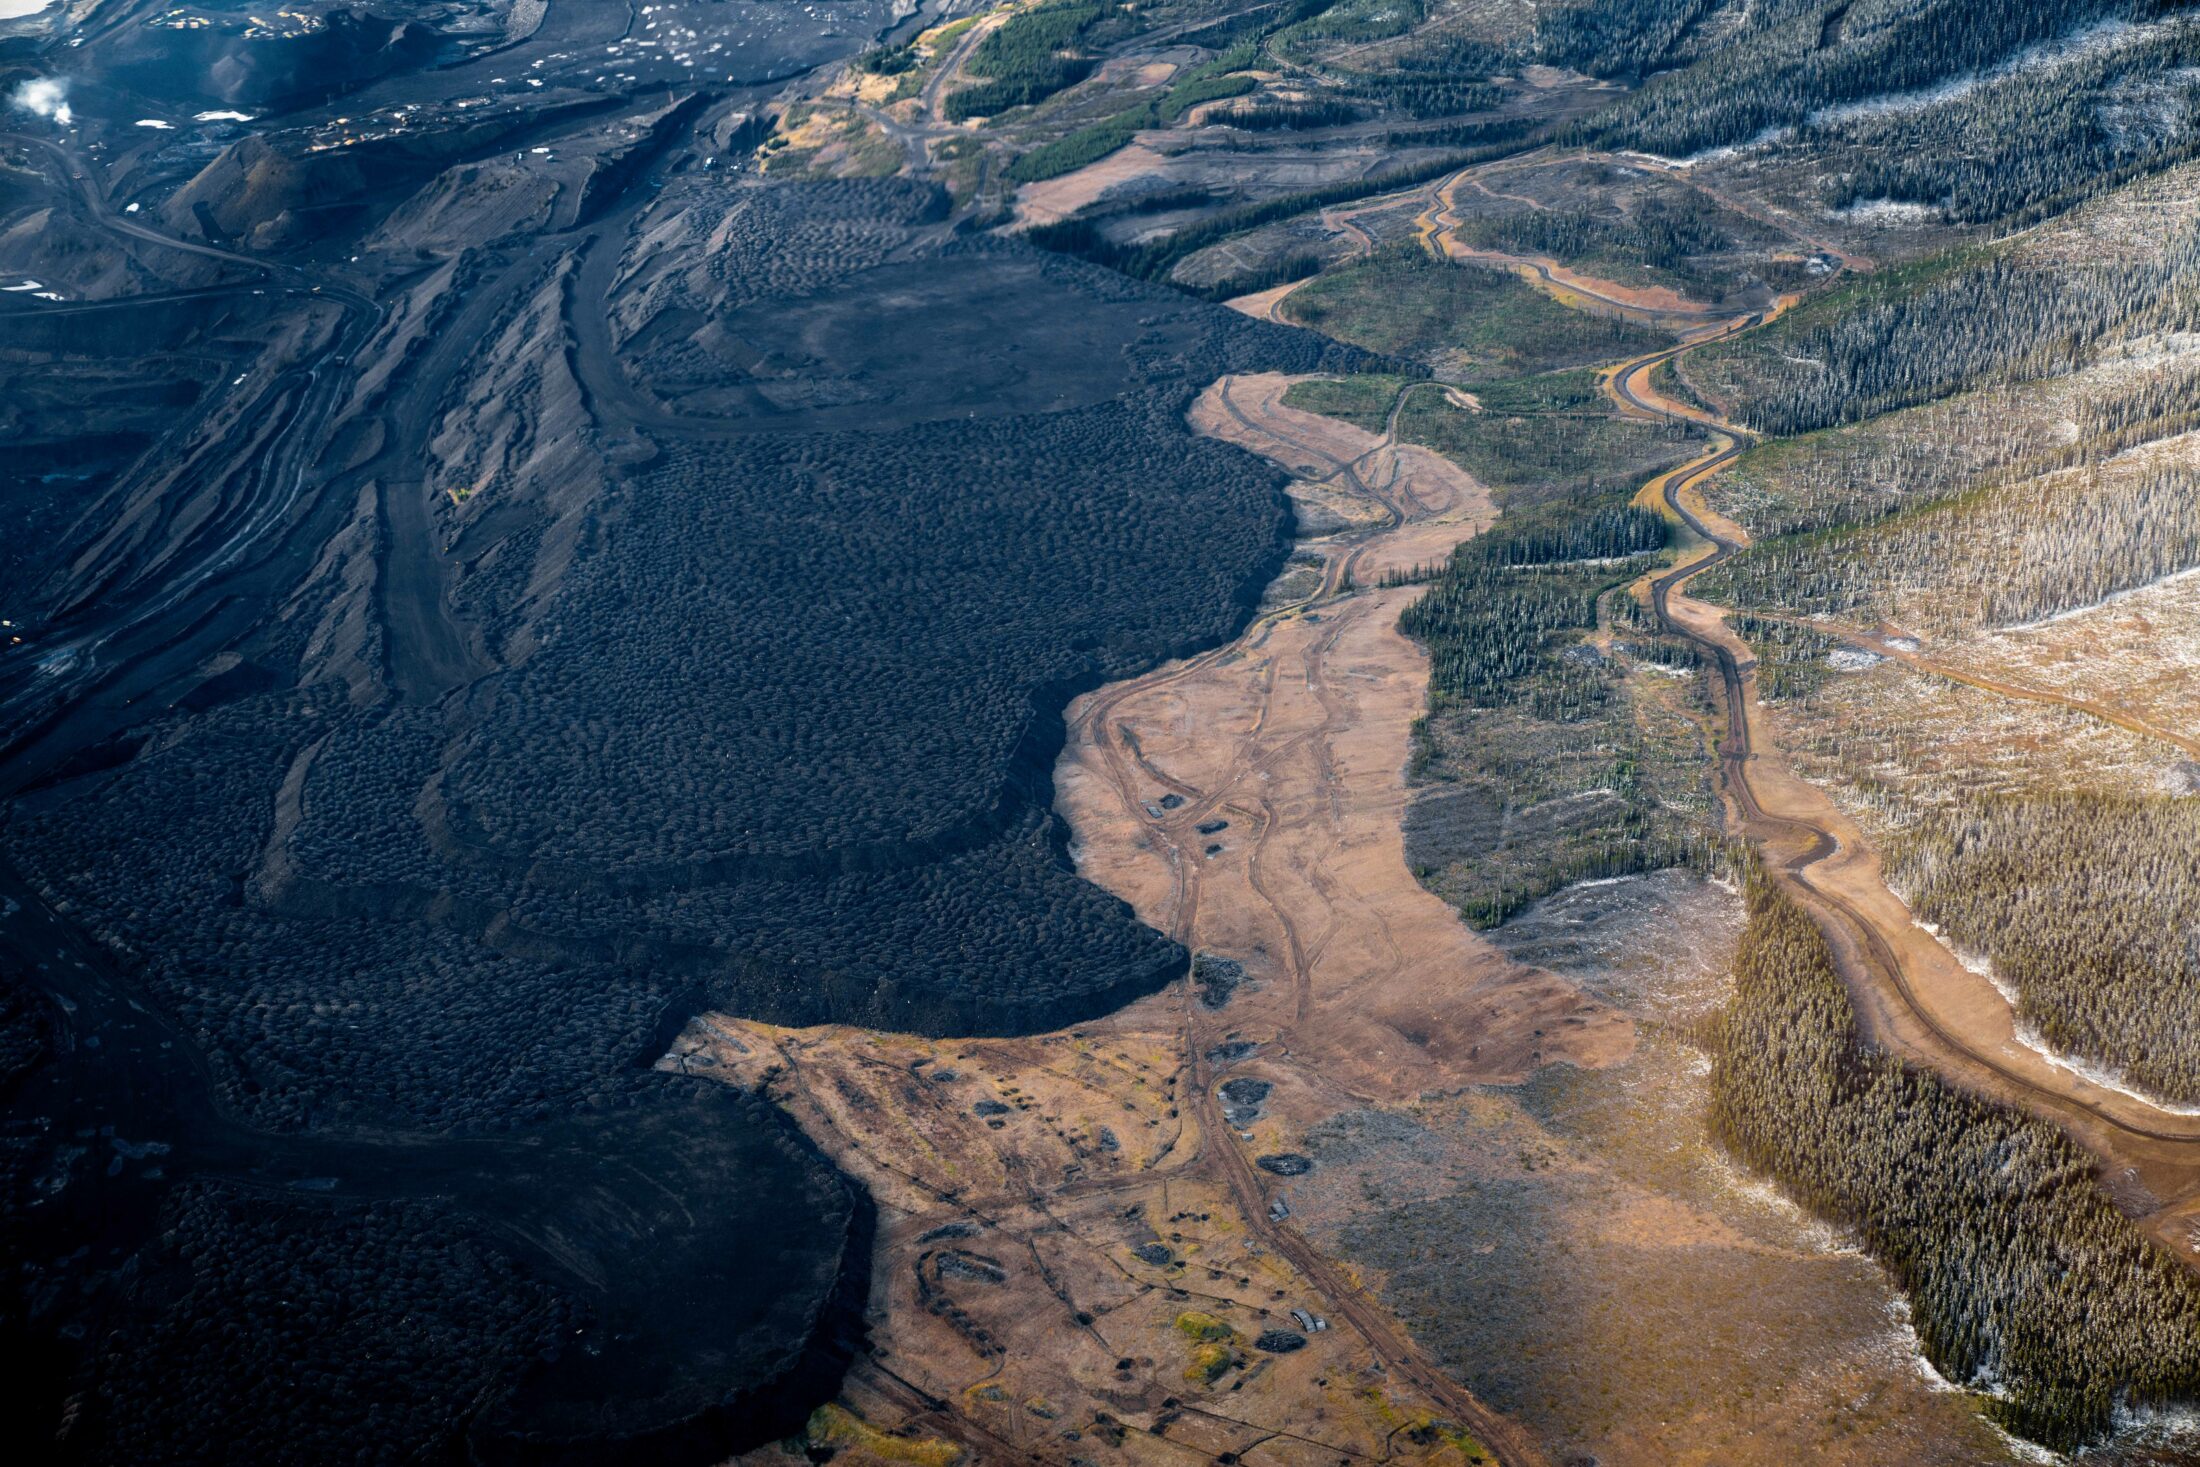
1058 198
1298 740
1103 1186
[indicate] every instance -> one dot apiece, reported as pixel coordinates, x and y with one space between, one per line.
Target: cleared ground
1097 1185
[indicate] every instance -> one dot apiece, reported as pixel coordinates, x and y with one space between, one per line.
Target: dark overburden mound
616 589
236 59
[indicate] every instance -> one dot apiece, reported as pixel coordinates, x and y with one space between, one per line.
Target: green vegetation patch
833 1427
1440 74
1492 613
1213 1347
1202 85
1539 765
1091 144
1155 259
1535 452
1086 145
1347 23
1364 402
1471 323
1661 239
1026 60
1194 1324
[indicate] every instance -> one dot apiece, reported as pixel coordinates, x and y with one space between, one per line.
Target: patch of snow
2109 600
2027 1450
1907 1342
2166 1429
2101 1076
1768 138
222 115
2081 45
2142 355
1603 881
156 124
1816 1234
1587 794
1719 154
1852 659
2093 1074
1887 212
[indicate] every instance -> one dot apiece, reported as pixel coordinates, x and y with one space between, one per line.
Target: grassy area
1575 392
1678 239
835 1428
1196 1325
1559 446
1066 154
1213 1347
1666 378
826 142
1471 323
1534 439
1364 402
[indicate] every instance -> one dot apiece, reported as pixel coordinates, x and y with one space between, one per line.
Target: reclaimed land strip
1090 1230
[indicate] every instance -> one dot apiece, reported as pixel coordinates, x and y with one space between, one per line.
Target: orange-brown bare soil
1912 993
1295 741
1082 1236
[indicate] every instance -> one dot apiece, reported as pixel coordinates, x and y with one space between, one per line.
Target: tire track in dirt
1885 645
1912 993
1365 1002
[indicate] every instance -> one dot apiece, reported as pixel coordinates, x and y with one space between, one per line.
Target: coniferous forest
548 552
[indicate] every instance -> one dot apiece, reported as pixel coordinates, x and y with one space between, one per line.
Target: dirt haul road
1913 995
1249 801
1438 224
